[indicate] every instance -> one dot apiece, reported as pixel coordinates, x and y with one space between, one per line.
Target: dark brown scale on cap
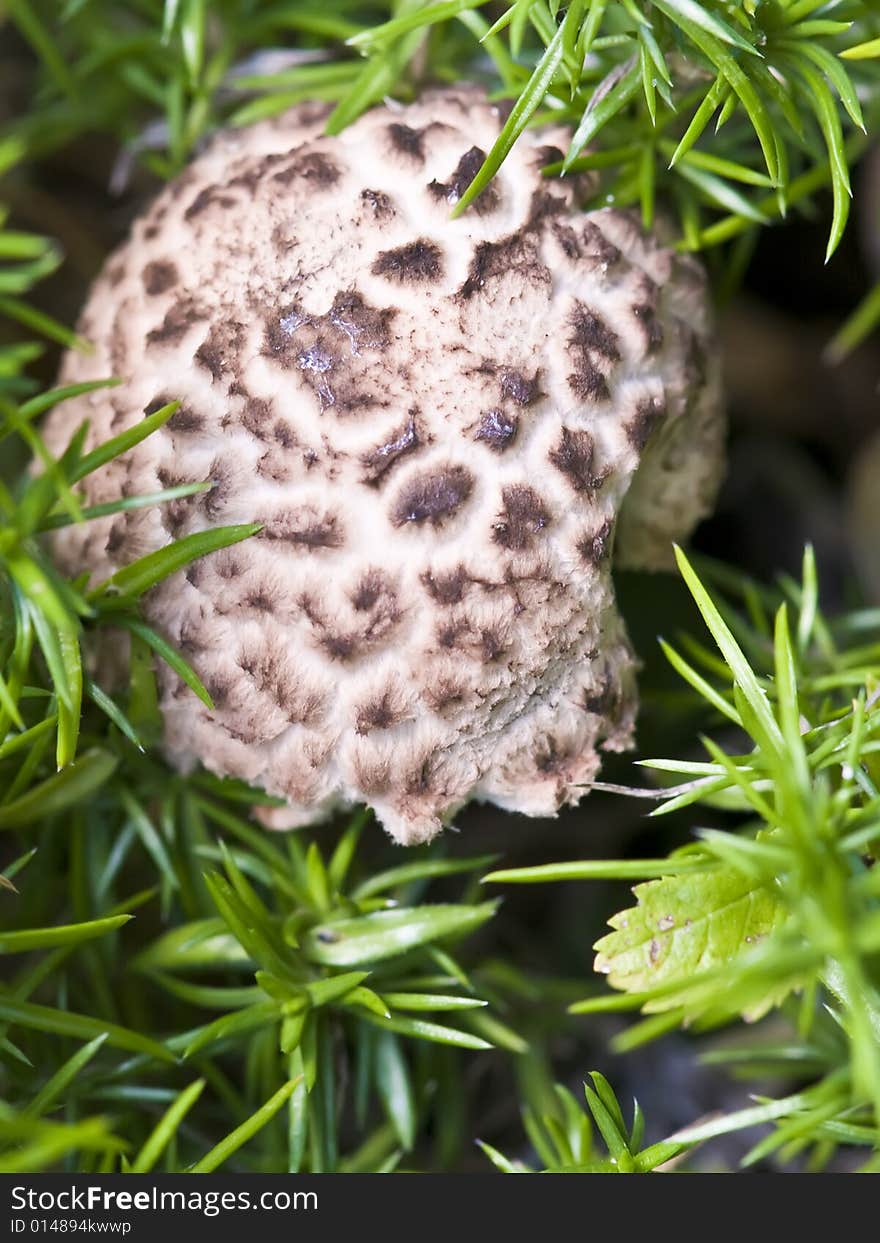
590 333
381 460
518 387
178 320
159 276
318 170
257 416
432 496
449 588
220 689
465 171
649 415
186 421
449 633
523 516
480 642
604 699
379 204
224 477
371 588
340 645
588 382
497 429
573 456
221 347
443 695
416 262
597 247
211 196
333 353
371 628
494 259
592 343
568 240
382 712
645 312
544 206
115 272
305 527
493 644
314 358
421 777
257 170
283 435
548 155
595 546
367 327
157 403
316 362
272 677
263 599
407 141
518 253
117 539
175 514
552 756
279 331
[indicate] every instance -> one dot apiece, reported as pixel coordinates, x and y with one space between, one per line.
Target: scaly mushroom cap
437 422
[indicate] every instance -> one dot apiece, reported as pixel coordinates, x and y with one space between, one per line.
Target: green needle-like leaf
384 934
134 580
79 1026
221 1152
166 1128
76 782
64 934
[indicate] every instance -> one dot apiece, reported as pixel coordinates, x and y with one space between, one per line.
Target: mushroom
445 427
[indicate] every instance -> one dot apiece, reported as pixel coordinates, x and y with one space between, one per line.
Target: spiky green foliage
25 258
256 972
564 1141
740 109
42 613
782 907
290 959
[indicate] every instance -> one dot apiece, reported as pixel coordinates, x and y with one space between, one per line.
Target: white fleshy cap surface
445 426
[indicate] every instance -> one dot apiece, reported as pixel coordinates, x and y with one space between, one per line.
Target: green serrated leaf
685 924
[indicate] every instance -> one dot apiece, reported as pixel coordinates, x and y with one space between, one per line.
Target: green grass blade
529 100
166 1128
76 782
79 1026
134 580
55 1087
63 934
228 1146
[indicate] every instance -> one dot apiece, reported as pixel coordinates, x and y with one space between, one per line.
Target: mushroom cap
444 426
